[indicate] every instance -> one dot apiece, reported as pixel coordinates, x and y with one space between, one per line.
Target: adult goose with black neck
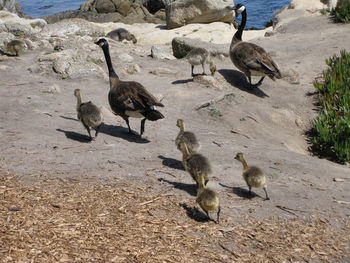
250 58
129 98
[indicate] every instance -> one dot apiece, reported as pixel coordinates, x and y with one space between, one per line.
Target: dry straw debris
61 220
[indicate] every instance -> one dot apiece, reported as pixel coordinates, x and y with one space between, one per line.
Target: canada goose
200 56
14 47
208 199
250 58
129 98
195 163
88 113
253 176
189 138
120 34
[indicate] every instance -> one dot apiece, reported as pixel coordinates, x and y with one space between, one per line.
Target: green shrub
331 129
341 13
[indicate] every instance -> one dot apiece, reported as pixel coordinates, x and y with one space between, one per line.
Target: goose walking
129 98
250 58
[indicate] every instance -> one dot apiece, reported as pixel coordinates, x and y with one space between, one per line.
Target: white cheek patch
241 9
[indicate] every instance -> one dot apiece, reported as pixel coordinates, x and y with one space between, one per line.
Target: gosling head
239 157
77 93
102 42
180 123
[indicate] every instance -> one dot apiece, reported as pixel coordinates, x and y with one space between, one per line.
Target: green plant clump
341 13
331 129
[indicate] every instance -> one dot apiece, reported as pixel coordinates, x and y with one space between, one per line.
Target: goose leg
267 197
192 67
142 126
218 215
250 190
127 122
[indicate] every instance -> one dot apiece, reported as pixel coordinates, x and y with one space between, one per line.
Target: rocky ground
53 178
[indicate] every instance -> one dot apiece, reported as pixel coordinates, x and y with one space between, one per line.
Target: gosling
189 138
208 199
200 56
14 47
253 175
195 163
120 34
89 114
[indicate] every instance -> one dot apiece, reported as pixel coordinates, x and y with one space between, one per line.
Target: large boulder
184 12
313 5
11 6
20 27
182 45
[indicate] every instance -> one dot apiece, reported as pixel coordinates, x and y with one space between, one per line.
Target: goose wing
134 96
256 58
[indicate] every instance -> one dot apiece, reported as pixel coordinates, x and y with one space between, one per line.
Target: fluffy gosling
88 113
208 199
200 56
189 138
195 163
253 175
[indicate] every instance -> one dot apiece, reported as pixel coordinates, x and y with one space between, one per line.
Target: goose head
239 8
102 42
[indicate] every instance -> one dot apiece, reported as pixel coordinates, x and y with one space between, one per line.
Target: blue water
259 11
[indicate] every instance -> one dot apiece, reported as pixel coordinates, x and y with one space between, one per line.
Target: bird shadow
75 136
69 118
189 188
182 81
172 163
194 213
239 80
241 192
123 133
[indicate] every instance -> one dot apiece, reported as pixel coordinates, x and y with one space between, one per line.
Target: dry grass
55 220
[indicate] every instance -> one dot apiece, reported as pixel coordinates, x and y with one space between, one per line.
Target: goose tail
153 115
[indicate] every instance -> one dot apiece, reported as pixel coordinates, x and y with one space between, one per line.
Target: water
259 11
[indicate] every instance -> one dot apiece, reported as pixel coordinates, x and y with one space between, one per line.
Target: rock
206 80
161 71
5 68
180 13
158 53
154 6
181 46
11 6
125 58
55 88
310 5
291 76
105 6
20 27
133 69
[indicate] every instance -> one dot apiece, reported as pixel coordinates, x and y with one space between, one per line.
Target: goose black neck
111 71
239 32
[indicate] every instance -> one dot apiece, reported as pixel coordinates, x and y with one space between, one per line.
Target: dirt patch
66 220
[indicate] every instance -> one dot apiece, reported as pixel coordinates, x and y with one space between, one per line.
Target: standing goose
208 199
189 138
195 163
253 175
200 56
129 98
250 58
89 114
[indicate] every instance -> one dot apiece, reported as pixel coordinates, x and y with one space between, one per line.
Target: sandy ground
40 133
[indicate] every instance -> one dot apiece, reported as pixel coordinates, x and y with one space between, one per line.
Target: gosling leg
218 215
98 129
142 126
88 129
267 197
192 67
250 190
209 216
203 69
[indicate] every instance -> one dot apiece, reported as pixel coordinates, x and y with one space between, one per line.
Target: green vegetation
93 60
331 129
341 13
215 112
